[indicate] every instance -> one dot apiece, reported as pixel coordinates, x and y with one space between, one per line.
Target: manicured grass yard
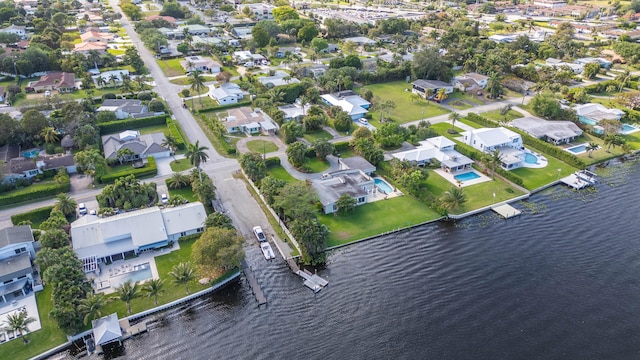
153 129
314 136
405 110
185 192
202 102
171 67
279 172
315 166
376 218
495 115
40 341
261 146
180 165
187 80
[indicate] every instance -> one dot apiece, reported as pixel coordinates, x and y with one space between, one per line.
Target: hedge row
272 161
176 132
33 215
341 146
244 102
150 169
601 86
481 120
35 191
128 124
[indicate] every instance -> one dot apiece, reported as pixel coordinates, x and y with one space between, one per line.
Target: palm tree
454 117
50 135
453 198
100 81
154 288
624 79
113 78
441 95
124 154
65 204
177 181
127 292
428 94
18 322
591 147
182 274
494 87
197 155
197 84
494 158
92 307
170 142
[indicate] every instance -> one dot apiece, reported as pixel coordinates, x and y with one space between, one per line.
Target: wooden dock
506 211
132 330
580 179
312 281
253 283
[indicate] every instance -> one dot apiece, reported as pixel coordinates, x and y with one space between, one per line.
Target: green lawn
456 95
203 102
172 291
495 115
315 136
187 80
231 69
40 341
459 105
633 140
185 192
180 165
162 128
406 110
171 67
376 218
116 52
315 166
279 172
261 146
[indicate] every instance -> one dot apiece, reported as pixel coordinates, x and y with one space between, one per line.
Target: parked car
164 198
257 230
82 209
363 121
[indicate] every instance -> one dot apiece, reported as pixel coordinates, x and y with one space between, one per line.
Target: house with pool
592 113
333 185
439 148
513 155
555 132
101 240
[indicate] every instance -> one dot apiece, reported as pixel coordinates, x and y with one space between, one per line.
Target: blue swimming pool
579 149
142 272
30 154
628 129
466 176
383 186
529 158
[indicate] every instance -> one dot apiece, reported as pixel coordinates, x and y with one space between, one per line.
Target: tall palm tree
50 135
494 159
591 147
453 198
441 95
454 117
92 307
177 181
124 154
18 322
127 292
65 204
197 84
494 87
197 155
170 142
182 274
154 288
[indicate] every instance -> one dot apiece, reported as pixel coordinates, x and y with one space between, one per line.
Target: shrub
35 191
33 215
481 120
128 124
150 169
176 132
108 96
272 161
341 146
144 96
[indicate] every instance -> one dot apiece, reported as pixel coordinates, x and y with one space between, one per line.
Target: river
561 281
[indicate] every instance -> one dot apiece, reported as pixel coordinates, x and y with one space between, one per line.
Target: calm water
559 282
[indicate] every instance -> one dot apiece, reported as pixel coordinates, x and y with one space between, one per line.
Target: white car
82 209
363 121
257 230
164 198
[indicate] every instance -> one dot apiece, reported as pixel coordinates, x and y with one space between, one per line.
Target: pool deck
101 281
450 177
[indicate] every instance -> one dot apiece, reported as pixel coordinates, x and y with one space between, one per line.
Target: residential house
260 11
206 40
505 39
125 108
470 82
439 148
315 70
555 132
352 182
192 63
17 275
551 4
507 142
227 93
360 40
593 113
357 162
94 36
169 19
60 81
85 48
351 103
294 112
141 146
242 32
278 79
390 57
24 167
109 78
604 63
421 87
557 63
195 29
105 239
249 121
245 57
282 52
16 29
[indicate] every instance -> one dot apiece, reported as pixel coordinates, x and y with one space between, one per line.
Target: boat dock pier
506 211
312 281
580 179
253 283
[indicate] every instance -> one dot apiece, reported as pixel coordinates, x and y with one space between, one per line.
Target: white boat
267 251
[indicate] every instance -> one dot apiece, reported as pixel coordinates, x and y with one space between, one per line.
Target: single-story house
360 40
242 32
110 78
315 70
195 29
357 162
294 111
17 253
490 139
555 132
420 87
244 57
348 101
282 52
125 108
208 40
61 81
352 182
278 79
191 63
142 146
227 93
16 29
86 47
249 121
593 113
23 167
439 148
470 81
169 19
505 39
94 36
100 239
390 57
604 63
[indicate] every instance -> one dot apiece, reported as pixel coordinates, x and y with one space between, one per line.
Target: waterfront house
125 108
352 182
351 103
105 239
421 87
142 146
593 113
439 148
248 121
227 93
507 142
555 132
191 63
